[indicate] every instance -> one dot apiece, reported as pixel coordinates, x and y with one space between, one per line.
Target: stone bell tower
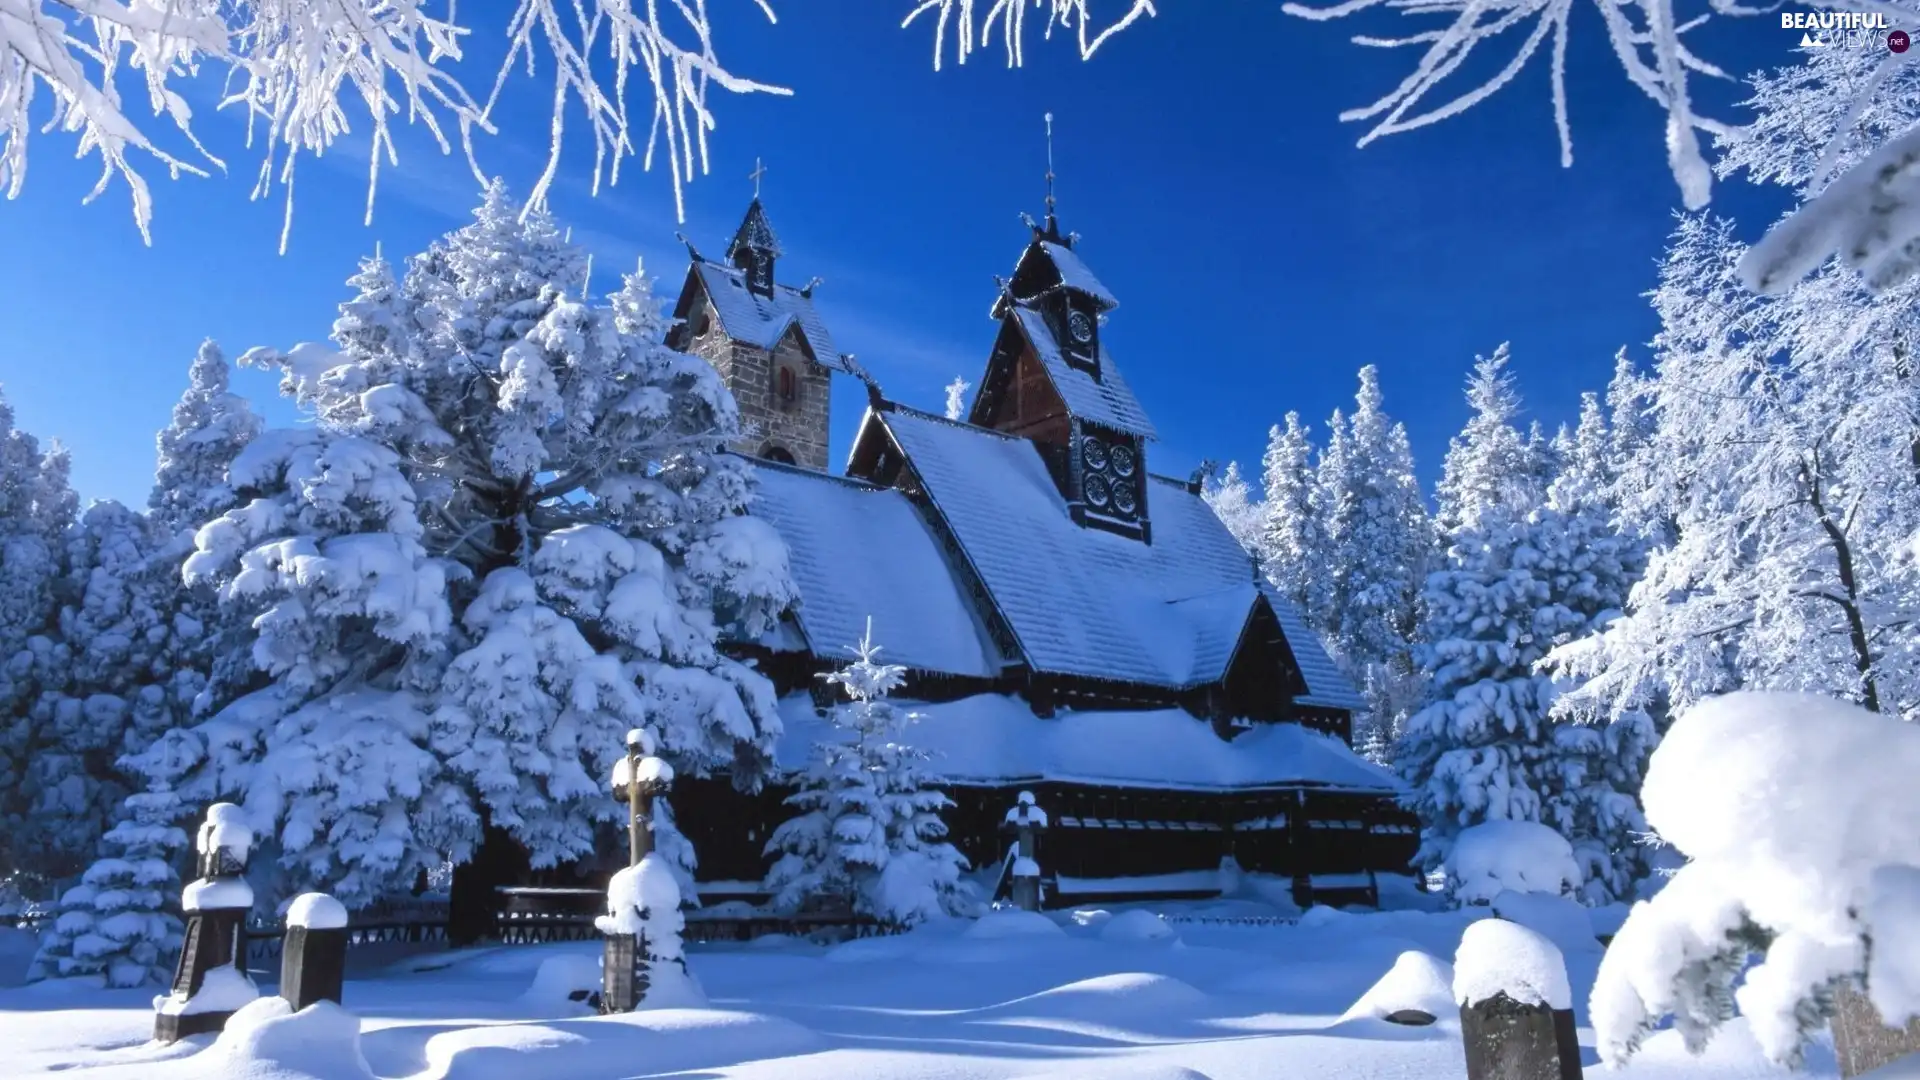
766 340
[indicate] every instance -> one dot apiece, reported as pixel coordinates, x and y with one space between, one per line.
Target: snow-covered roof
860 551
995 739
1108 400
1075 275
1086 602
1326 684
761 321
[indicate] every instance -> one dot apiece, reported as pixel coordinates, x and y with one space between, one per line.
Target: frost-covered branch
295 68
971 28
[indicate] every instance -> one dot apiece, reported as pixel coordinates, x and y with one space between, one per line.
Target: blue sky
1259 257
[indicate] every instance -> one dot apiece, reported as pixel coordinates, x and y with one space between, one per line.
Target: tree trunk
473 903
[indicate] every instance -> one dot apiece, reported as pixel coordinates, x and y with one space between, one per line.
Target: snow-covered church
1073 624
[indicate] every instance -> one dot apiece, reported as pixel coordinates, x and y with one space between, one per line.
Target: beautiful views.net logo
1845 30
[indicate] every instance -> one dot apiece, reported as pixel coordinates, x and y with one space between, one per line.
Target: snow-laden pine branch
297 68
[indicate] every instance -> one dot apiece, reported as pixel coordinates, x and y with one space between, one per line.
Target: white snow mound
1521 856
1497 956
265 1041
665 1042
1124 1073
1416 981
1012 922
1109 997
561 976
1136 925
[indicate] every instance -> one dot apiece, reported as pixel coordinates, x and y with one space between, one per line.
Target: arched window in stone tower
778 453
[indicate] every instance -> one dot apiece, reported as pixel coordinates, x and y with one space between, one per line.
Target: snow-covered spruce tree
117 691
1375 544
1233 502
1593 799
1781 476
868 833
120 922
1485 747
1490 465
37 506
1289 536
210 426
508 536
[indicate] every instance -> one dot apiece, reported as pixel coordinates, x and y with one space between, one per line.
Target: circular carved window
1123 499
1123 461
1097 492
1093 452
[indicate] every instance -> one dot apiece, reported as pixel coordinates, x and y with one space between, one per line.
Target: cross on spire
759 171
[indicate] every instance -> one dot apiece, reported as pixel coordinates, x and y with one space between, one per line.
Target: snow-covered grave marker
1027 820
1516 1006
643 901
211 982
313 962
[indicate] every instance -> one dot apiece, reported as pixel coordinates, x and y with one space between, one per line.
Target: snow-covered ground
1015 997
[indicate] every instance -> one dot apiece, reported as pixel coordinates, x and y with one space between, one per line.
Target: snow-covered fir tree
210 426
120 924
1289 534
37 506
116 691
1237 507
1491 465
1594 799
508 536
1374 546
1516 582
868 835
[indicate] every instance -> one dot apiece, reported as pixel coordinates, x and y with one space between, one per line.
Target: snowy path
1217 1002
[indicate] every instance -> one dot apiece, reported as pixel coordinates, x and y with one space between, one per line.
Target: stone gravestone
210 982
313 961
1516 1008
1027 820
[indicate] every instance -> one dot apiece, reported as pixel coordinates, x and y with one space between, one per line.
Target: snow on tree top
1499 957
317 911
996 738
225 829
762 321
1107 400
1521 856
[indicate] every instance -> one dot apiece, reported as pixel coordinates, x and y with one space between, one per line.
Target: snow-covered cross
759 171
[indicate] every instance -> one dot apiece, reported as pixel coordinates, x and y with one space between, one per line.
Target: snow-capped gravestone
1510 856
211 982
1026 819
1516 1008
313 961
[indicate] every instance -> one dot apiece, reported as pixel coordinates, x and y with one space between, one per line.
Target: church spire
1051 231
754 246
